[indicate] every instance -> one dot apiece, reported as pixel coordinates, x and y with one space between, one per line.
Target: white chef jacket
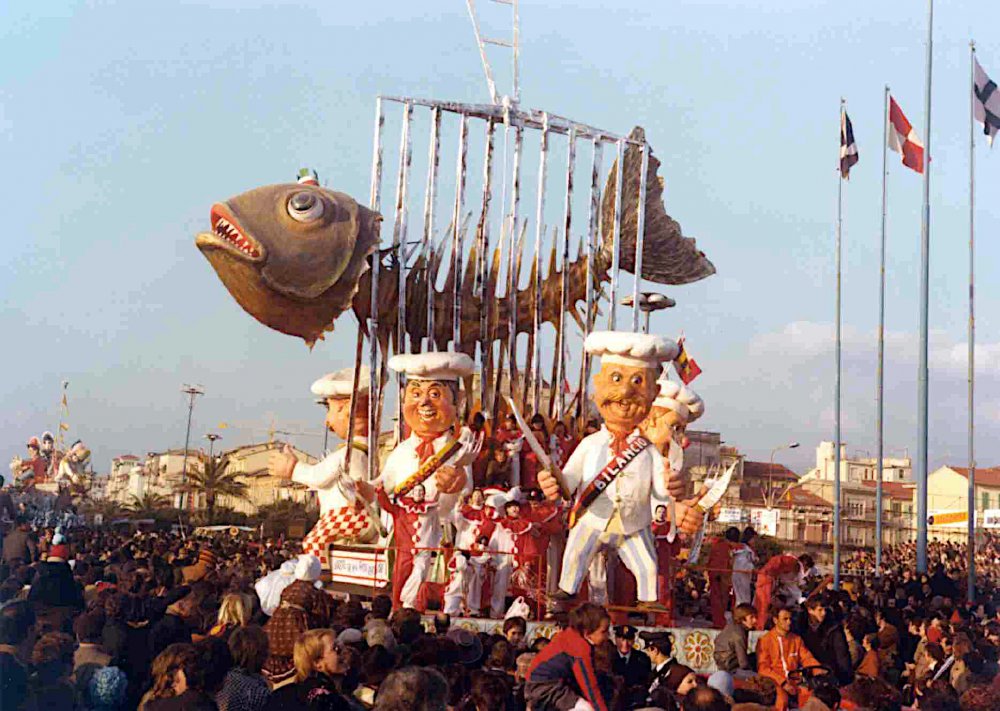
326 478
635 492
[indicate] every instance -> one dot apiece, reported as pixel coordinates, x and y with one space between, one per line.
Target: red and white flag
903 138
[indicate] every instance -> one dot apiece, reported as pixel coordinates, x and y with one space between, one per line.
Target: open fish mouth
227 234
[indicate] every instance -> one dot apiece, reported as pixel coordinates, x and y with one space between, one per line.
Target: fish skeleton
297 272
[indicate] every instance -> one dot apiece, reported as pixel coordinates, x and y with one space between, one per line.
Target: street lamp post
650 301
770 472
192 391
212 438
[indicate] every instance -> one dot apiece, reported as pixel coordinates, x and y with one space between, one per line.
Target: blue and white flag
986 107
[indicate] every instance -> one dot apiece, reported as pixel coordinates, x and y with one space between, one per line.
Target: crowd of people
96 619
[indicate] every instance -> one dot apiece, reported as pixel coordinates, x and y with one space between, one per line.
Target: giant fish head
291 255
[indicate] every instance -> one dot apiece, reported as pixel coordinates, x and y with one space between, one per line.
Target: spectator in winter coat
563 673
824 637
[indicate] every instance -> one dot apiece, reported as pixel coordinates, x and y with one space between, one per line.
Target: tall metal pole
512 281
640 234
616 240
399 249
458 235
922 376
879 398
430 202
557 400
971 547
591 245
539 233
375 201
192 392
212 439
836 443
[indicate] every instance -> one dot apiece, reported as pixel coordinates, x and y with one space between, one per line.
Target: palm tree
109 510
213 480
147 505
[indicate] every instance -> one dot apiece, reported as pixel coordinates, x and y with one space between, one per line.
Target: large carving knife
539 451
706 503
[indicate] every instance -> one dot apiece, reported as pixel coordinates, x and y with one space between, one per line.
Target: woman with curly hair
49 687
178 681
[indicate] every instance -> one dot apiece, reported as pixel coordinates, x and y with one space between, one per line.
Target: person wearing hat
659 649
343 516
615 476
675 407
474 525
628 662
303 607
431 457
520 538
416 529
205 564
35 464
54 592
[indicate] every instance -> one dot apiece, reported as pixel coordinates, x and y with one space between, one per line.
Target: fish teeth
231 234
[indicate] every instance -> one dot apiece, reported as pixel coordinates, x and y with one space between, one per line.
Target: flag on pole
903 138
986 107
848 148
686 367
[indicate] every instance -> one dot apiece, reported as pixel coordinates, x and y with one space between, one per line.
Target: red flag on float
903 138
686 367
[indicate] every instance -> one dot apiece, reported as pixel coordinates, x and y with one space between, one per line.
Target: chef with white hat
431 456
615 475
675 407
343 518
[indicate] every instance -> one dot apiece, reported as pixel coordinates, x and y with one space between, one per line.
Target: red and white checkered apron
346 522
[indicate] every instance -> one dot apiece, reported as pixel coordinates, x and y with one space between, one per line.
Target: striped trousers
636 551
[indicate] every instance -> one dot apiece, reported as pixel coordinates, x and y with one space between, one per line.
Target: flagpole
879 398
922 376
971 546
836 445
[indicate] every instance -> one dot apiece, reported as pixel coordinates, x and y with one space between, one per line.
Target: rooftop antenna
513 44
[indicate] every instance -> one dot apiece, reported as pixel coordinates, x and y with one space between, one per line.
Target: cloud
781 388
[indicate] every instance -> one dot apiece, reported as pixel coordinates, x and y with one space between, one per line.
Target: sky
121 123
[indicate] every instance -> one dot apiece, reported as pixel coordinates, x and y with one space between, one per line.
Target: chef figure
615 477
431 457
343 517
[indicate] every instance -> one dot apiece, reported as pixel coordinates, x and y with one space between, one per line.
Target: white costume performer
409 456
342 515
621 514
744 561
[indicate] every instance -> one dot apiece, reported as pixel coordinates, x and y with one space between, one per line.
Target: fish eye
305 207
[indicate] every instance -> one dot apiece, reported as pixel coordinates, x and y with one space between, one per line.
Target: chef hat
693 401
635 349
432 366
502 498
308 568
341 383
668 398
80 451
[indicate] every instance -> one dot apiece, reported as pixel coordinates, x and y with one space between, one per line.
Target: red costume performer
414 525
666 559
781 574
720 576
